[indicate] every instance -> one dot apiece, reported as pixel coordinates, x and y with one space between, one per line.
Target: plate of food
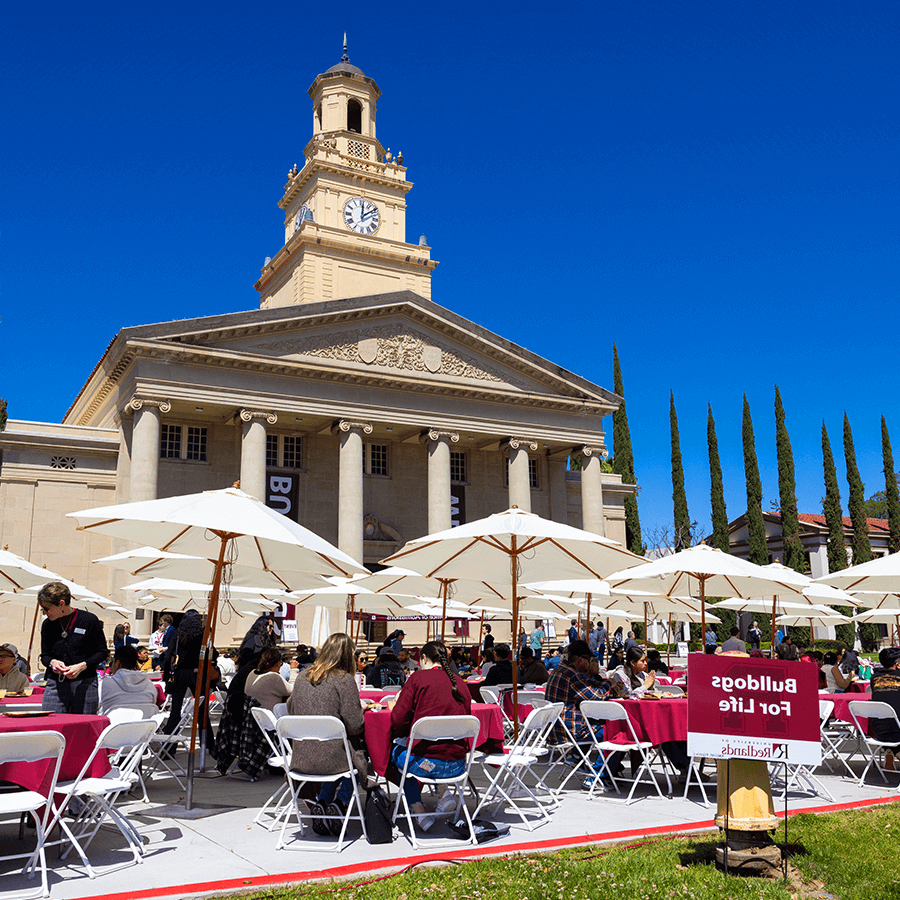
27 713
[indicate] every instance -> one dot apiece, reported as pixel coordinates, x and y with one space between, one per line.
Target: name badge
79 631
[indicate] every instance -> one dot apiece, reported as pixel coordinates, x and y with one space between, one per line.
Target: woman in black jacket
180 665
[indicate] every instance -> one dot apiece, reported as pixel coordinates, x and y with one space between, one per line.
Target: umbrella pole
481 635
37 606
514 563
588 616
445 585
669 641
646 634
702 615
201 686
812 633
772 635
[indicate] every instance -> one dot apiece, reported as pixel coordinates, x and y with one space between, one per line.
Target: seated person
616 659
886 689
226 666
555 659
531 670
488 661
387 672
655 663
836 682
145 664
264 684
21 662
11 679
126 687
432 691
577 678
501 671
407 663
362 664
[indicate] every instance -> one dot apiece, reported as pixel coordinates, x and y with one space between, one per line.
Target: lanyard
65 632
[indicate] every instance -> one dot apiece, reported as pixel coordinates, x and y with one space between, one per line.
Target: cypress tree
758 550
716 488
623 462
787 491
837 552
891 489
679 498
856 503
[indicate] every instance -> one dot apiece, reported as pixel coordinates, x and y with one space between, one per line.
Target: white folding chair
672 689
610 711
440 728
316 728
162 747
31 746
99 793
267 723
495 694
873 709
392 689
508 785
835 737
279 710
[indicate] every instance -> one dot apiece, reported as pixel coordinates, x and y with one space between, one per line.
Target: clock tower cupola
345 209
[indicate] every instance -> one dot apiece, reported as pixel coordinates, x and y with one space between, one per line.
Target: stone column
438 476
519 483
145 446
592 490
253 451
350 486
559 505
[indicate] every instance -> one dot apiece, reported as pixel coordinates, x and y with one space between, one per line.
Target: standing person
573 631
630 642
523 638
122 636
734 642
73 647
397 641
328 688
537 640
488 642
260 636
711 640
754 635
618 642
432 691
180 667
600 633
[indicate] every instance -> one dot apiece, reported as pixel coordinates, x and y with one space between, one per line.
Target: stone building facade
350 400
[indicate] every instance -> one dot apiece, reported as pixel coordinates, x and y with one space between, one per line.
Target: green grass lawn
848 855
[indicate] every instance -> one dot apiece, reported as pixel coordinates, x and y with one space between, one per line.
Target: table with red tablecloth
842 706
378 733
655 721
80 732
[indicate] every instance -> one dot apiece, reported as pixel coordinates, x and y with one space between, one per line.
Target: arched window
354 117
318 119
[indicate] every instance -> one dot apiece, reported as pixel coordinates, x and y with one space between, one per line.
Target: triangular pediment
392 337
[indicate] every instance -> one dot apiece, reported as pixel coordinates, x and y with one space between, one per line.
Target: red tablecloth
13 702
372 694
80 732
378 732
842 706
653 720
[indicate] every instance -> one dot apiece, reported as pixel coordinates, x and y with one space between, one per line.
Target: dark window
354 117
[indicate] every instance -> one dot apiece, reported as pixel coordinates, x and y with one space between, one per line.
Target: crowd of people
328 682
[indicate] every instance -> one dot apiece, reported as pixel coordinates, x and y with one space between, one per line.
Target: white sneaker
446 804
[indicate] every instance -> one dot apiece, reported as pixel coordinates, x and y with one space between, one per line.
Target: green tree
891 489
837 552
716 488
2 415
794 556
758 550
623 462
856 503
682 520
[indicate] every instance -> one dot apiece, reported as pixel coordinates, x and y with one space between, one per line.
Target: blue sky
712 186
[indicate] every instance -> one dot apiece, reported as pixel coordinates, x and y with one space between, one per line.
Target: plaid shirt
569 686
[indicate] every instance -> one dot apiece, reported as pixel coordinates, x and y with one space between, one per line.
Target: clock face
361 215
303 215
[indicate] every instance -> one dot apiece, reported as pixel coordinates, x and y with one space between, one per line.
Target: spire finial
345 58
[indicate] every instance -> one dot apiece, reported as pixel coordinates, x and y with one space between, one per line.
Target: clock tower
345 209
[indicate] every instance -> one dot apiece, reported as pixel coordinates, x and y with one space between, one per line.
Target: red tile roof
819 519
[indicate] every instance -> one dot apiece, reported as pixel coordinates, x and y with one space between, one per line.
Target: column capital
435 434
136 403
248 415
516 443
345 425
587 450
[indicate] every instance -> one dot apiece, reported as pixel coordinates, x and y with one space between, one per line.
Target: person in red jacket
431 691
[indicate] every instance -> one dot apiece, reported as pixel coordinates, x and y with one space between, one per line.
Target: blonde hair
335 656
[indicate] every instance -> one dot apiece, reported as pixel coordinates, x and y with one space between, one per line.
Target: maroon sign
742 707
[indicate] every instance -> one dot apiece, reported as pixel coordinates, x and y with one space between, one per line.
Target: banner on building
746 708
283 495
457 505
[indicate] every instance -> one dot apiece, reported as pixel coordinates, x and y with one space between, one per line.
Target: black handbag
379 827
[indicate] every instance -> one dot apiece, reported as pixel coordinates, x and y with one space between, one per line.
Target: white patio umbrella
703 571
152 563
167 594
889 615
881 574
240 528
517 547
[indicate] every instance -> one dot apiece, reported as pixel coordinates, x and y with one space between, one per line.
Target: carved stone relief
392 346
